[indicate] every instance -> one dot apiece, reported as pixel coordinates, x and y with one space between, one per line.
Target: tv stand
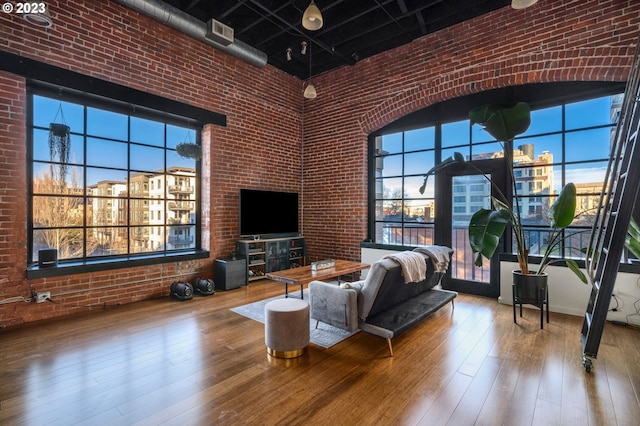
271 254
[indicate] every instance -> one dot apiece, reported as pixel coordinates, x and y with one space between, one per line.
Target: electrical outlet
43 296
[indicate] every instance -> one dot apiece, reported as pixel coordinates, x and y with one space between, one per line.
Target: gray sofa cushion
372 282
396 319
334 305
393 290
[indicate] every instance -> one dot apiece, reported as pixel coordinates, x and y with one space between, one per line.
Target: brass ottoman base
286 354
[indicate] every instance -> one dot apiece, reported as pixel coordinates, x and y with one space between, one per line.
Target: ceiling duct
195 28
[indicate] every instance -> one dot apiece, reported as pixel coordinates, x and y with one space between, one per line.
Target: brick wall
550 42
261 145
259 148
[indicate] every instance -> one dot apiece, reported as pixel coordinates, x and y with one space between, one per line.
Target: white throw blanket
414 268
440 255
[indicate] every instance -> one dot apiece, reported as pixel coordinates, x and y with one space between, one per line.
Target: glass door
466 191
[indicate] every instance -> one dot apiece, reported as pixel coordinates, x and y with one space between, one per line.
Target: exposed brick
263 144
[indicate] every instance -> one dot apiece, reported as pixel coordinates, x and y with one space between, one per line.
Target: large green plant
486 227
632 242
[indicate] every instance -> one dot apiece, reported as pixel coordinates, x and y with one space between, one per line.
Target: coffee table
304 275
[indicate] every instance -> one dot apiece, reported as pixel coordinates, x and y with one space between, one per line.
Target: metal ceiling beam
403 8
264 17
191 5
231 9
391 17
352 30
347 60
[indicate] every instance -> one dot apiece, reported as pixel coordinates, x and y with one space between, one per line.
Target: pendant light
310 91
312 18
522 4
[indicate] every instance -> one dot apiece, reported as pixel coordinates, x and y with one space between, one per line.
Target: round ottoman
286 327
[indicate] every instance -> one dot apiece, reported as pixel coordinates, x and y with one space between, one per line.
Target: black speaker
181 290
204 286
47 257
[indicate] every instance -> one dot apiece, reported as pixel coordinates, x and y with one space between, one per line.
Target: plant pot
189 150
58 129
530 288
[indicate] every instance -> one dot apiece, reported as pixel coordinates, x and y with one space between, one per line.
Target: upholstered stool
286 327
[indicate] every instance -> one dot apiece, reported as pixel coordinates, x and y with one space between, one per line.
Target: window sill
95 265
633 268
379 246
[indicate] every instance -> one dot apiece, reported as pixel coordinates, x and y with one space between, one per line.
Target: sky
107 129
581 145
105 126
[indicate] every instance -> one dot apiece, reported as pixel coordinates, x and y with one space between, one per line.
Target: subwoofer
204 286
181 290
47 257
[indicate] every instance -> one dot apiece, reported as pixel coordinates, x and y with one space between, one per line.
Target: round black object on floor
181 290
204 286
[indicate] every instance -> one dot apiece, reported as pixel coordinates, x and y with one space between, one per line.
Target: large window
565 143
115 187
568 142
404 216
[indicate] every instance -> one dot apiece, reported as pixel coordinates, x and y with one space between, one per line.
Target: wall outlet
43 296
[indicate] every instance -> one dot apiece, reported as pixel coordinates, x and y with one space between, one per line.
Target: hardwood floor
196 362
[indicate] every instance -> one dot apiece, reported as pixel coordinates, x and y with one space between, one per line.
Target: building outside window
92 198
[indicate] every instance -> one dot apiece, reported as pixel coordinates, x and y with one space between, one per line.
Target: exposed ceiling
353 29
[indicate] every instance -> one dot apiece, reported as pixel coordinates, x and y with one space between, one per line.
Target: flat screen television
268 214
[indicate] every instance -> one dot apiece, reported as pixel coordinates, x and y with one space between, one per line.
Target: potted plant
189 150
486 227
60 146
632 241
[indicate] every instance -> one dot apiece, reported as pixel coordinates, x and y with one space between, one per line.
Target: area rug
324 336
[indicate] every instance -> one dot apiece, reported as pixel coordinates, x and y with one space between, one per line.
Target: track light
312 18
303 48
522 4
288 54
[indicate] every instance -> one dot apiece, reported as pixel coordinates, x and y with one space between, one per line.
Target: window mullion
115 157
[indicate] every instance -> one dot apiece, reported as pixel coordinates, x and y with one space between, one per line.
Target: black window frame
91 264
539 96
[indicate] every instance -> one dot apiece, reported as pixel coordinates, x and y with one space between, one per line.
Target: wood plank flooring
196 362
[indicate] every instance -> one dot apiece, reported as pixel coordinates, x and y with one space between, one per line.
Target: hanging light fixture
522 4
310 91
312 18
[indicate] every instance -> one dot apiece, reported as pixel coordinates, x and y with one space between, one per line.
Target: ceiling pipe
195 28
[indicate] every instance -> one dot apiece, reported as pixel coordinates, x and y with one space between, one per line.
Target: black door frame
496 169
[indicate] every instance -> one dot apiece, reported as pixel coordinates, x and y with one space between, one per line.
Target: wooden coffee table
304 275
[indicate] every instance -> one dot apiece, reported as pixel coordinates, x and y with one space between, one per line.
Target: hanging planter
59 130
60 142
189 150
